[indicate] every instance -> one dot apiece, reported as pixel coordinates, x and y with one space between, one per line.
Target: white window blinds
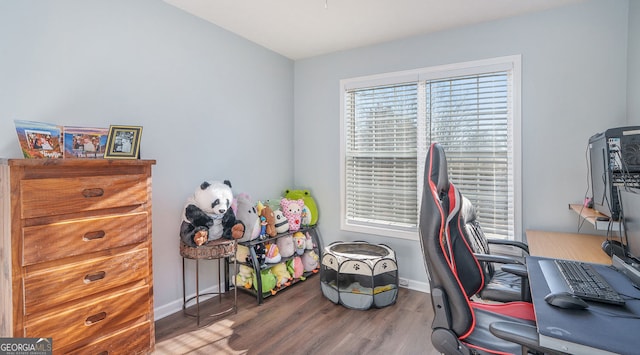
381 171
469 117
387 127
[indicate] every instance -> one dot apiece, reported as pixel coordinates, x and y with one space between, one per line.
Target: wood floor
300 320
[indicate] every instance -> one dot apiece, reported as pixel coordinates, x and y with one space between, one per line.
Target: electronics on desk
579 279
614 247
566 300
630 270
630 213
614 157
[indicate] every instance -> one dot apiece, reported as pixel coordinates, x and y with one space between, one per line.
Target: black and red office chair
460 325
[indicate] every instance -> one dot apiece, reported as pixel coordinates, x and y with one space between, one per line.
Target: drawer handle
93 235
95 318
94 277
95 192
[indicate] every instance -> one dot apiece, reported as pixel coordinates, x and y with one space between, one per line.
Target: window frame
505 63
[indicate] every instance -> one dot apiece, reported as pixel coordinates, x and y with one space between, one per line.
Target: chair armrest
491 258
512 266
512 243
516 269
523 334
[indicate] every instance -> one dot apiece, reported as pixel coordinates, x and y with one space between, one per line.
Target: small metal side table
219 249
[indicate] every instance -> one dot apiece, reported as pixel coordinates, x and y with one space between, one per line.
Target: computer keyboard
585 282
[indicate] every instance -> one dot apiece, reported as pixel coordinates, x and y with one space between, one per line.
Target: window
388 122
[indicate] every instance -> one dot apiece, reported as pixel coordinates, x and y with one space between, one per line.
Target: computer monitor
630 213
614 157
600 181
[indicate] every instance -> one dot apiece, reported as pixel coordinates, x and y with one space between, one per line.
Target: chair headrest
467 210
438 169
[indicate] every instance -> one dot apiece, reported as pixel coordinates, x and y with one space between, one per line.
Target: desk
599 329
572 246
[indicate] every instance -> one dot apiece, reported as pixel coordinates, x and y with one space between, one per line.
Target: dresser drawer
91 319
48 288
131 341
47 197
82 236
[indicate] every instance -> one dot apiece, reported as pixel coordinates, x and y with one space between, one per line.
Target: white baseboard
176 306
417 286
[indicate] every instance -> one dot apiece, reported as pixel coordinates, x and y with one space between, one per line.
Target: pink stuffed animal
292 209
295 268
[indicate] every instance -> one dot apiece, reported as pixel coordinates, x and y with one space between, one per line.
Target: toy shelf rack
258 291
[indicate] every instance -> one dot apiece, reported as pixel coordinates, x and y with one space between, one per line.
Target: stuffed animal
292 209
299 242
283 278
243 254
207 215
273 203
261 255
308 201
310 261
269 221
309 244
305 216
272 253
247 213
268 281
295 268
244 278
286 246
282 224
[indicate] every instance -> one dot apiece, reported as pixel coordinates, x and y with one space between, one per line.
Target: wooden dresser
76 257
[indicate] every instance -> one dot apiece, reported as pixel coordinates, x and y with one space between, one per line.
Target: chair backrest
447 255
463 229
474 235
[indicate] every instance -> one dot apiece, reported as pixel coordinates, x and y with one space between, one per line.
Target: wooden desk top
572 246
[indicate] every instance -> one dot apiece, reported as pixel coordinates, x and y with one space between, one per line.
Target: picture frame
84 142
39 140
123 142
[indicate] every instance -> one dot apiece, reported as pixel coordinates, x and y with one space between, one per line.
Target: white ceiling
305 28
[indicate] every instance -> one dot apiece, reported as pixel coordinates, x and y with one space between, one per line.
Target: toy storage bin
359 275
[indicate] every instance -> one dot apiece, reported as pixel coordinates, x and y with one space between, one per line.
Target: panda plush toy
208 216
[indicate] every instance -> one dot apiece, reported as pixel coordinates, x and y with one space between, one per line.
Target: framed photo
123 142
39 140
84 142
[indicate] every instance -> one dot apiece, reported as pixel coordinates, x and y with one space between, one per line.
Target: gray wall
574 70
212 105
633 72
